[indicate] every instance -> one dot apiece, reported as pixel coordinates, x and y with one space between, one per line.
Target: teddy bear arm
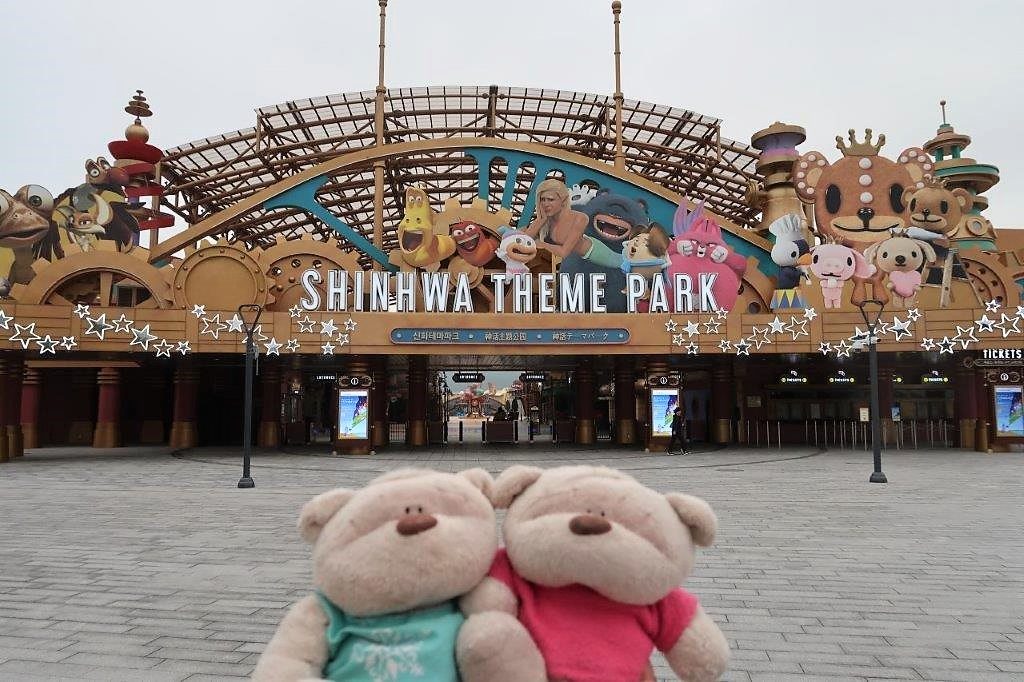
489 595
298 650
702 653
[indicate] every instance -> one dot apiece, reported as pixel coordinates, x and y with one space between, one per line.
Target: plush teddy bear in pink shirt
589 582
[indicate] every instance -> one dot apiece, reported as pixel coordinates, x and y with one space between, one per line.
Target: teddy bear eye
408 509
833 199
849 261
885 254
792 254
913 254
913 204
896 198
815 259
944 206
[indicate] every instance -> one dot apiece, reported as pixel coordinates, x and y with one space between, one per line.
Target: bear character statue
388 562
589 582
612 219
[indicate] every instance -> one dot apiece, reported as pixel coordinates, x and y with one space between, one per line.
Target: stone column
583 378
625 400
269 433
108 433
30 391
966 404
83 391
379 402
186 385
723 395
417 426
152 430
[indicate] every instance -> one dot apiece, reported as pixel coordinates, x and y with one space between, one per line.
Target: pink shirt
585 637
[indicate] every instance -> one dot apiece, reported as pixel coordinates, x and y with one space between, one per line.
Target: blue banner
516 336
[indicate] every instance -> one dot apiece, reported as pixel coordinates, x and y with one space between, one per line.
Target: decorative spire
138 108
864 148
942 103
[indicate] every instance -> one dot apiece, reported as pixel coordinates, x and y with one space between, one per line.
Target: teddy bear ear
318 511
696 515
512 482
480 479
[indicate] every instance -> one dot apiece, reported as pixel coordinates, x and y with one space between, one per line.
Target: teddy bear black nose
926 211
900 260
866 214
414 524
588 524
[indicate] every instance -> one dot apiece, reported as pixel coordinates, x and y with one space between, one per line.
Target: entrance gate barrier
845 433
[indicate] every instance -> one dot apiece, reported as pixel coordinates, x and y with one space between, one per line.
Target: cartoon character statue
902 259
473 243
859 199
698 247
98 207
418 245
937 216
517 249
612 219
789 253
834 264
26 226
646 254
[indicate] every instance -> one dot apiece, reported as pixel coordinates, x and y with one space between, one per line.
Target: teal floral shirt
413 646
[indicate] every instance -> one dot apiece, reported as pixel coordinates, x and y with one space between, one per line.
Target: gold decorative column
722 399
186 385
30 390
777 197
417 428
108 427
583 379
379 402
269 433
625 400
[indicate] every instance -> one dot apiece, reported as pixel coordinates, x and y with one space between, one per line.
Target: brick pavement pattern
143 564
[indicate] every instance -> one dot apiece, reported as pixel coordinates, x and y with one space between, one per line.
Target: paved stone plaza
145 565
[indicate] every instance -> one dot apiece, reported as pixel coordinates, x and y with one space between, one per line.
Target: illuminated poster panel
663 402
1009 411
353 414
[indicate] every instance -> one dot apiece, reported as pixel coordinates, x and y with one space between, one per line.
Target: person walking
678 433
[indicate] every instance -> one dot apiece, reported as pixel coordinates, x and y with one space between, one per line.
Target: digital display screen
1009 411
663 403
353 414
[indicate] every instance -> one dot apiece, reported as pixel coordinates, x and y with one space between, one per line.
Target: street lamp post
250 357
871 320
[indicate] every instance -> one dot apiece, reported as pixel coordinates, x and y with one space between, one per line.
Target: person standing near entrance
678 433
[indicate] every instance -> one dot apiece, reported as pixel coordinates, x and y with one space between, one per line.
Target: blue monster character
612 219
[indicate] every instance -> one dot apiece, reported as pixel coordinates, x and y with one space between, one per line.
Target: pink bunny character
697 247
834 264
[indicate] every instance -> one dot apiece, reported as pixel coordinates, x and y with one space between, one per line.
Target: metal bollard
778 433
815 433
842 438
913 432
460 430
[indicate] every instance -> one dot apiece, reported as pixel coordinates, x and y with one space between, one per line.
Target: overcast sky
71 66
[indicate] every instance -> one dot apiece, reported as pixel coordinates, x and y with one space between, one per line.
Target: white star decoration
81 310
295 311
913 314
843 349
985 324
213 326
712 327
327 348
98 326
306 325
797 328
47 345
328 328
183 348
742 347
677 339
122 324
964 342
721 313
824 347
691 348
292 345
725 345
900 328
776 325
5 319
350 324
68 342
992 306
691 328
199 310
810 314
24 340
671 326
342 339
273 347
163 349
142 337
1001 326
946 345
236 324
1020 312
927 343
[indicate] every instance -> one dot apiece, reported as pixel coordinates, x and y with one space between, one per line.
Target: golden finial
942 103
137 107
865 148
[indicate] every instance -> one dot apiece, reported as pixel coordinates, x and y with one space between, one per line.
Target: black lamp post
871 318
250 357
